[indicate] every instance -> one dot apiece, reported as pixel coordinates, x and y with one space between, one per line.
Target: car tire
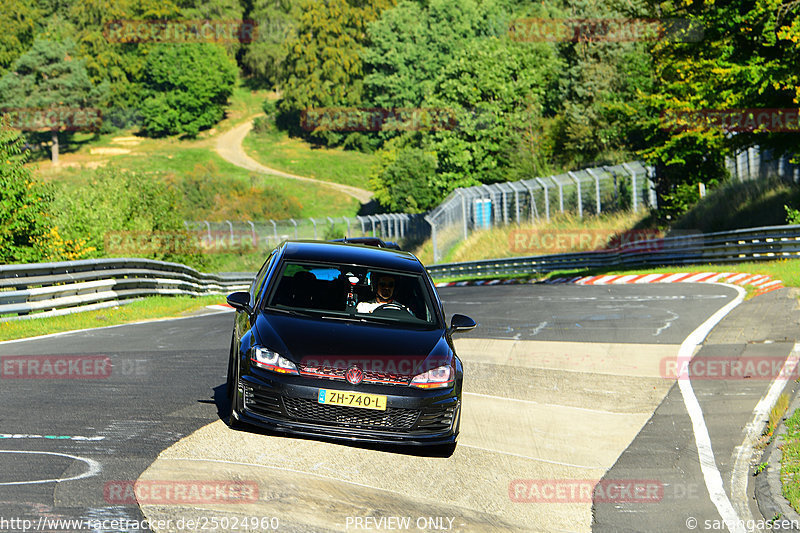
231 387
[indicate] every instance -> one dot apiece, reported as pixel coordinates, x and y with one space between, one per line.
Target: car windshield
352 292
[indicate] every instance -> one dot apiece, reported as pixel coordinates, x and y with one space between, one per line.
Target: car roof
351 254
371 241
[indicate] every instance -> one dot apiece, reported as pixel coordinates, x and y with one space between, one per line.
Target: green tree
493 91
17 26
323 66
222 11
411 43
46 79
596 107
24 204
401 179
186 88
746 59
110 58
264 57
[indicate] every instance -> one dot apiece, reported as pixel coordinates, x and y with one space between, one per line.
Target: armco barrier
60 288
66 287
753 244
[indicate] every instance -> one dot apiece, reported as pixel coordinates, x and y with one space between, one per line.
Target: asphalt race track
564 386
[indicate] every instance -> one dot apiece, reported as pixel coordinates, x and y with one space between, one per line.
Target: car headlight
442 376
264 358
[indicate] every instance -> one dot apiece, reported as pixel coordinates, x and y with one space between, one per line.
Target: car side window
258 283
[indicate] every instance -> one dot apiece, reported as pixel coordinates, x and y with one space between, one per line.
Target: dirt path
229 146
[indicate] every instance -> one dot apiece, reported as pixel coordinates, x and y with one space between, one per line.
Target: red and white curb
762 282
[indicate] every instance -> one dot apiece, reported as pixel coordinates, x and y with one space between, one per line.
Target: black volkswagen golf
345 341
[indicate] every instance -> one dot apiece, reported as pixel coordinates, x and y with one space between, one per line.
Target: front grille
309 410
370 376
262 404
436 418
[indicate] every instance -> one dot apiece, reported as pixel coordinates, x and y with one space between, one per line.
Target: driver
383 295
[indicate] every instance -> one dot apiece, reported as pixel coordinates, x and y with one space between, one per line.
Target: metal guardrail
49 289
753 244
46 289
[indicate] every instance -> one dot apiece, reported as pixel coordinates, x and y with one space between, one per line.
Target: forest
445 93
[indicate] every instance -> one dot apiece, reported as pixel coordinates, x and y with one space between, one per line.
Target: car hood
302 339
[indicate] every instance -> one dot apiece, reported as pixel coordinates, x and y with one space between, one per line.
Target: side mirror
240 301
461 323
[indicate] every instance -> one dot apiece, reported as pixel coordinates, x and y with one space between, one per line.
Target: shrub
24 205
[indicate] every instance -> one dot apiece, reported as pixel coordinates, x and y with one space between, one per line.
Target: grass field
144 309
176 159
277 150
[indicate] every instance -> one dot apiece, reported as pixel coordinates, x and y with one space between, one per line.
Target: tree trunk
54 148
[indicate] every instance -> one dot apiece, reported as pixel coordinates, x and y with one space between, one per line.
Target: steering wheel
391 305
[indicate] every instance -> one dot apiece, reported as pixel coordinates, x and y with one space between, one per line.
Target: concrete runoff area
508 432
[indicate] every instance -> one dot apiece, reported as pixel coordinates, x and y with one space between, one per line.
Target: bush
263 125
118 206
792 215
24 205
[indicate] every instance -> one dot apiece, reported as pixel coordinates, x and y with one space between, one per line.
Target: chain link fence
268 234
583 192
590 191
754 163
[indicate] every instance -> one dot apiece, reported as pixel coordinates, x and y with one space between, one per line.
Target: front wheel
232 387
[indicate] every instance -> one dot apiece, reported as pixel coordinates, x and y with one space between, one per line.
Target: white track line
741 467
708 465
94 469
155 320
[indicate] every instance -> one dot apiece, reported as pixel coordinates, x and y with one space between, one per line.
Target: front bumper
289 404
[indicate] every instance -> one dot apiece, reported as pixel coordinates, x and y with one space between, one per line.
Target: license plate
352 399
